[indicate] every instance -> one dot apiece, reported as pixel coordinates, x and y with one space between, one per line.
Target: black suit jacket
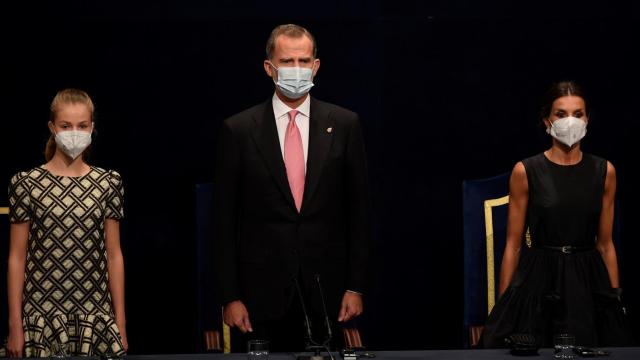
262 241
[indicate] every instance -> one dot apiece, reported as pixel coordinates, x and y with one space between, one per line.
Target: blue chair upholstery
485 204
215 334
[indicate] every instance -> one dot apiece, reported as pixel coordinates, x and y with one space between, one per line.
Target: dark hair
65 97
291 30
558 90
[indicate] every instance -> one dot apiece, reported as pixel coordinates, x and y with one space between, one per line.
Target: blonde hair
65 97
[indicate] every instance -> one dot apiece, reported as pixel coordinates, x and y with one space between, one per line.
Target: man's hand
236 315
351 306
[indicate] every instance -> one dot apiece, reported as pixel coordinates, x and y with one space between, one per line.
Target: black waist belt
567 249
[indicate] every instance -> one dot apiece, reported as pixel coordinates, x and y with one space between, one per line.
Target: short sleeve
19 198
115 197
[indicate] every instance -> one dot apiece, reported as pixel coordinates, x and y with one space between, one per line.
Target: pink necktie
294 159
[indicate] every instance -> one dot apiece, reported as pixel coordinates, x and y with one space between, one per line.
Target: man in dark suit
292 205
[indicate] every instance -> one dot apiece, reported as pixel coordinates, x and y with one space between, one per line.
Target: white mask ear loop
276 77
274 67
313 67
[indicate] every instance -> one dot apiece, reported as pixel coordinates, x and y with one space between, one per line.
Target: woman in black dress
567 280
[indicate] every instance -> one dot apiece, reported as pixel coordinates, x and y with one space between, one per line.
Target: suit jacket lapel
265 135
319 144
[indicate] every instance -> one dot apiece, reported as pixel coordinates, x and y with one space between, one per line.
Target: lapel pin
329 130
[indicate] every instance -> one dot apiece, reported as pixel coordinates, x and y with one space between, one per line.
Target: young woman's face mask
72 129
73 142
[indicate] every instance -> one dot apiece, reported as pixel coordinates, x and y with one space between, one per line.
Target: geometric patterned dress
66 298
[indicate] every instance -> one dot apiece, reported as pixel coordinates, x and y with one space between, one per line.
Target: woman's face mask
568 130
73 142
72 128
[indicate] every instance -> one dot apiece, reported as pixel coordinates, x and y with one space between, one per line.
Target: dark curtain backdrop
446 90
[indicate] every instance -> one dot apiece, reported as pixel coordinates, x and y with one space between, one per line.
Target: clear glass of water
563 346
258 349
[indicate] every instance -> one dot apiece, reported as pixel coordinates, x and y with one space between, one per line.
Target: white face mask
73 142
295 81
568 130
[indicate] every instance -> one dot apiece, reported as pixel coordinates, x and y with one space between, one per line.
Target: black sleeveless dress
555 291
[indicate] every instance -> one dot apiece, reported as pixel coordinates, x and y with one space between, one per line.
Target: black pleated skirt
553 292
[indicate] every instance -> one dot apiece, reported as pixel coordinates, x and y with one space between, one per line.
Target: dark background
446 90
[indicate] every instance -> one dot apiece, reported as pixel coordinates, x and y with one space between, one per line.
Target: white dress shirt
281 113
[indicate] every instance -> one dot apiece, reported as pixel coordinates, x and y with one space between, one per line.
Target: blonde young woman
66 272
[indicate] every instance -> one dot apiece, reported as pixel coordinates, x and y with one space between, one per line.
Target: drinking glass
563 346
258 349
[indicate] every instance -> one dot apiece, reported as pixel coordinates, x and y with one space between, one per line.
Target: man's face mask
568 130
294 82
73 142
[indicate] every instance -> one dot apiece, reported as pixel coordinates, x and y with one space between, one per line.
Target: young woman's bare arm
19 239
115 264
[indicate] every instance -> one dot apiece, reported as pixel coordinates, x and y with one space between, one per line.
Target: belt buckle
566 249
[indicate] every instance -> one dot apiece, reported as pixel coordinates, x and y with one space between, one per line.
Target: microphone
307 322
324 310
311 344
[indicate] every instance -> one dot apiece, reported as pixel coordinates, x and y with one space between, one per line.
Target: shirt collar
280 108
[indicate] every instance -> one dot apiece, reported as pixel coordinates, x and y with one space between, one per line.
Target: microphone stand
327 323
311 344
